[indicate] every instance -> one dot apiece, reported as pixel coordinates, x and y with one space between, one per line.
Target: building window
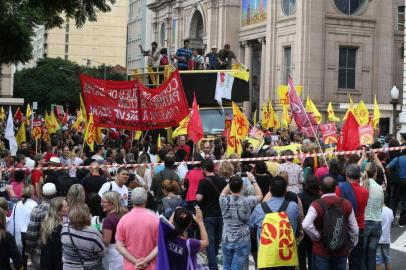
66 38
66 48
349 7
287 62
401 18
346 69
288 7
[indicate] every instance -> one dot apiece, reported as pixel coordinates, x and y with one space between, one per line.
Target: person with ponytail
188 248
51 249
21 218
8 247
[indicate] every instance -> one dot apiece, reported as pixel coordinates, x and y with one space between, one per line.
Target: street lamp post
394 93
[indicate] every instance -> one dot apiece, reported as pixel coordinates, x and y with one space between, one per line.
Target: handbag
94 267
190 265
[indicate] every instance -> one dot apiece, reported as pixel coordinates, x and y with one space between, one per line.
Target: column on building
248 64
262 90
212 31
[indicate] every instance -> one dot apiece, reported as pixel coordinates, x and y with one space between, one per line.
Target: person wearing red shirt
37 175
353 174
182 145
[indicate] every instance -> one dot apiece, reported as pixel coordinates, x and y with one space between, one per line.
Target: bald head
327 185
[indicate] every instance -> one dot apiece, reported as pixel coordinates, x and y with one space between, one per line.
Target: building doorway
196 31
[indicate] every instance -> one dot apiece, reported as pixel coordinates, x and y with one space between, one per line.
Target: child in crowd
383 259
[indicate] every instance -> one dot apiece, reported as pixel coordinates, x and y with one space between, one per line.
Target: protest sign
366 135
131 105
329 132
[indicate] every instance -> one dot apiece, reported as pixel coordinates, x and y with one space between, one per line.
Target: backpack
164 60
277 244
335 231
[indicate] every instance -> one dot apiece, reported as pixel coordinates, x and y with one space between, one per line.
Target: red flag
18 115
302 119
195 127
65 118
349 137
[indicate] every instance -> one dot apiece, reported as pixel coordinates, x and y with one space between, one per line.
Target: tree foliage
56 81
19 17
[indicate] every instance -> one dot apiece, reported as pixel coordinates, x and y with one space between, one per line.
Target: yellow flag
330 113
52 124
241 122
377 114
79 120
28 111
233 141
90 133
240 74
21 135
169 132
182 129
311 108
361 113
285 117
137 135
2 114
83 109
274 121
265 116
158 142
98 135
283 94
152 75
254 118
350 108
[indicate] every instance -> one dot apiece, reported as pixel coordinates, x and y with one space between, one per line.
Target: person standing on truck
213 61
226 56
183 55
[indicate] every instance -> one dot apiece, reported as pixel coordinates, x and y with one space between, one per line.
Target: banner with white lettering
131 105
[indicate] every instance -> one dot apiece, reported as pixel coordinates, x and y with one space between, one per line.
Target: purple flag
165 228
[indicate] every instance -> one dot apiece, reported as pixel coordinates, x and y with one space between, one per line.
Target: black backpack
335 229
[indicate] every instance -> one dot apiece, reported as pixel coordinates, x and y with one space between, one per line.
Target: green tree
56 81
19 17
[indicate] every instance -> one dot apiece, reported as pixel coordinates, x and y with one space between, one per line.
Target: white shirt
182 170
386 222
20 216
112 186
29 163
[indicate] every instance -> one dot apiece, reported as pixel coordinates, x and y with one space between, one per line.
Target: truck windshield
213 119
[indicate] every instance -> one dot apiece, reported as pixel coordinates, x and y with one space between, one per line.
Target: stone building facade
331 47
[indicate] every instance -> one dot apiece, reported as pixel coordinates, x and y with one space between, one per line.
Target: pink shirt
138 230
18 188
322 171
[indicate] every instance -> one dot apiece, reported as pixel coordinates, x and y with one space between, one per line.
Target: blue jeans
235 255
356 259
372 233
214 228
329 263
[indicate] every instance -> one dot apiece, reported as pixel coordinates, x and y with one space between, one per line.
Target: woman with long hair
21 218
82 245
51 249
8 247
114 210
76 195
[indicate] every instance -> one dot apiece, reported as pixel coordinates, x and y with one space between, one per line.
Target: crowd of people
186 58
125 210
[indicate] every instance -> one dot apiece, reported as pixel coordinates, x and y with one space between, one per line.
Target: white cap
49 189
55 160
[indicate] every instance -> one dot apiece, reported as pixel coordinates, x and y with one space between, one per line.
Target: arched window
288 7
349 7
162 35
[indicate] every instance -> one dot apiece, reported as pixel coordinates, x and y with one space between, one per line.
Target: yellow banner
90 133
241 122
277 245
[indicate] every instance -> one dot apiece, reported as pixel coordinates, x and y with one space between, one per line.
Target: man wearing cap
213 61
33 241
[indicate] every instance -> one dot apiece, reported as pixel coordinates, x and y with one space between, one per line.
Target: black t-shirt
93 183
210 205
263 182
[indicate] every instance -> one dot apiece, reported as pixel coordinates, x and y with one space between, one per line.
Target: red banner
131 105
329 132
366 135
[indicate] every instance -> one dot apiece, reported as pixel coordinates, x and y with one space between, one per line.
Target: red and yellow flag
241 122
90 134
